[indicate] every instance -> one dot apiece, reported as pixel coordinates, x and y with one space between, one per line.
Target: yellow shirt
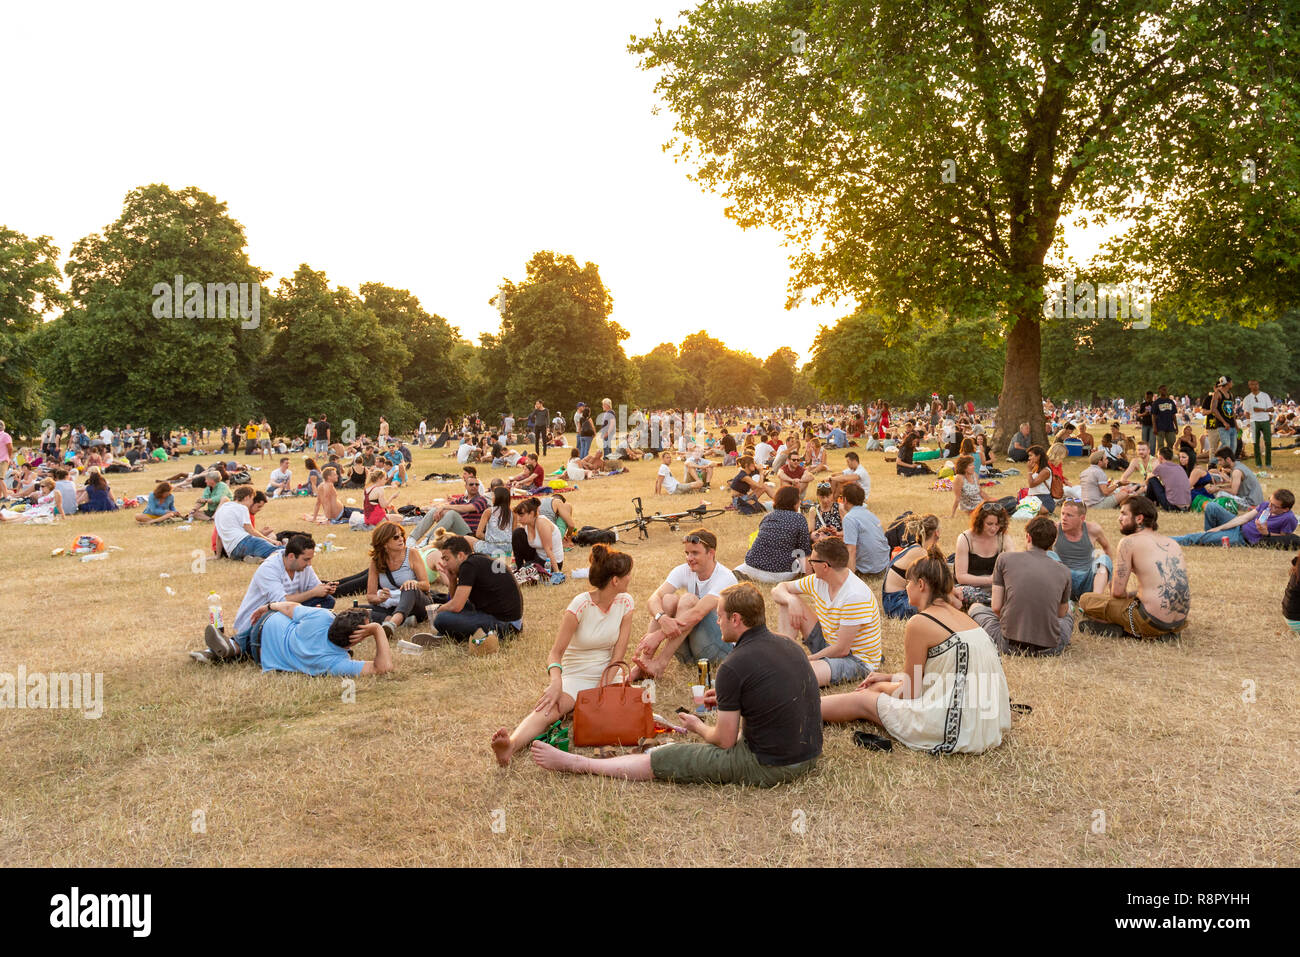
854 605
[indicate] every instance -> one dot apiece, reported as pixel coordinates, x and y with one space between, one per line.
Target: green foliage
839 136
110 359
29 276
330 353
661 380
433 381
861 359
778 375
557 340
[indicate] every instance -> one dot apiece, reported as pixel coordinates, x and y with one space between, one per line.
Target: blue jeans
461 624
584 446
321 446
704 641
1228 437
1081 578
895 604
253 545
1215 515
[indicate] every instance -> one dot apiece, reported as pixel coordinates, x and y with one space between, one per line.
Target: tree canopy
923 157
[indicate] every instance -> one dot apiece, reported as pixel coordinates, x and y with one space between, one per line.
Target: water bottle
214 612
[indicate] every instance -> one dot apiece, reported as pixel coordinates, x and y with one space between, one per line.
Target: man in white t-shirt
281 481
842 629
763 452
1257 407
854 474
234 524
106 437
283 576
666 484
686 624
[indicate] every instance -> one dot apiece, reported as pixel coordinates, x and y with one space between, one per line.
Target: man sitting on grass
1250 527
769 727
287 636
213 495
854 473
685 624
238 537
1164 597
842 630
1030 613
1075 536
486 598
667 484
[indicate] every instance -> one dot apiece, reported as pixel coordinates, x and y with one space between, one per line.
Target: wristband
555 664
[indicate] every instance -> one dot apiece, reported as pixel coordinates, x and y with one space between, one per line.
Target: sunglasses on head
695 540
995 508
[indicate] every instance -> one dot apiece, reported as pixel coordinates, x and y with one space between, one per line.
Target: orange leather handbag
612 713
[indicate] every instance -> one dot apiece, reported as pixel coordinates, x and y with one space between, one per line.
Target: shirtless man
327 498
1160 606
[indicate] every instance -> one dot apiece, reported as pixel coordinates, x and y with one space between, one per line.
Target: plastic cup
697 694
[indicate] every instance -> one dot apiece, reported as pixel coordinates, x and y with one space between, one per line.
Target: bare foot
553 759
502 747
642 669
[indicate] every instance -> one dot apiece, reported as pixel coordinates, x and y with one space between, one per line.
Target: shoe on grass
221 647
204 657
389 629
1090 626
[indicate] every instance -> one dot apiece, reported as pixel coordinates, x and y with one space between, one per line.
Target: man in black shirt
766 682
539 421
486 594
1165 413
1144 418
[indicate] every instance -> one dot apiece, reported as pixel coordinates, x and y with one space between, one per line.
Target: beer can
1224 541
703 666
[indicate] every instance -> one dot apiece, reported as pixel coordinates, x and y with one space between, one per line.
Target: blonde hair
1057 453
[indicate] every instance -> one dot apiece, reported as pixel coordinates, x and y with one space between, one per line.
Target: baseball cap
1223 380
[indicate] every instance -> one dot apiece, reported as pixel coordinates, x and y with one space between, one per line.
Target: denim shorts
848 668
896 605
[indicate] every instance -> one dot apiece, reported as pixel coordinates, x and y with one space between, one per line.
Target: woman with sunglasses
952 693
978 549
398 580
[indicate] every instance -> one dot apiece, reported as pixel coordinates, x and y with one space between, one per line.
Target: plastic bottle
214 612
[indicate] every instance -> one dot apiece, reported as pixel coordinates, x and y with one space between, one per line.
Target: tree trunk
1022 388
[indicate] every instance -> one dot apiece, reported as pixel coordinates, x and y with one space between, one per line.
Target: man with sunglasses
684 610
460 514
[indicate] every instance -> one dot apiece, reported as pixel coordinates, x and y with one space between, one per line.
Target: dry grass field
1167 740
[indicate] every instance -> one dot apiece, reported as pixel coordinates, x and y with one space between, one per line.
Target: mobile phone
872 742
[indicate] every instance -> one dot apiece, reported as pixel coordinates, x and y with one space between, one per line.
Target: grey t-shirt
1249 489
1091 479
863 529
1033 589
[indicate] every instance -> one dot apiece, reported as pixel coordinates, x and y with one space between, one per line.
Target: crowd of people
458 568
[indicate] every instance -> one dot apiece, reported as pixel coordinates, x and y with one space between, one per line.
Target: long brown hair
384 533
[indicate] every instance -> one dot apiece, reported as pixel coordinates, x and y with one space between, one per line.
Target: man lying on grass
769 727
287 636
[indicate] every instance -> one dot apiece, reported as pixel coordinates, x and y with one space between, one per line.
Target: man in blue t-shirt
287 636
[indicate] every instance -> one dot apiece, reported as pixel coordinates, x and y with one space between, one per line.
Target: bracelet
554 664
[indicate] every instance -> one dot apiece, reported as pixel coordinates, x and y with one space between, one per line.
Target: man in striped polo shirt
842 629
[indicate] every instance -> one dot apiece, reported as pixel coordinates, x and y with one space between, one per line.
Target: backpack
590 535
1057 487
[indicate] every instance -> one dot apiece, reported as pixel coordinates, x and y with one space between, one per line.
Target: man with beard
1159 607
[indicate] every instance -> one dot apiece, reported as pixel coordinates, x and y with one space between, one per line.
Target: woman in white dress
952 694
593 634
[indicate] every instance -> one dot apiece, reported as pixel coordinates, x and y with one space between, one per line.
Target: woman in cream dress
593 634
952 694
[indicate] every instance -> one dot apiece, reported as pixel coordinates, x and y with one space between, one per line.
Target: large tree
330 354
29 288
923 156
778 374
862 358
129 349
660 379
433 381
559 342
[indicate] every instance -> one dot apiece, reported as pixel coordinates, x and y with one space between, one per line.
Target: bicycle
673 520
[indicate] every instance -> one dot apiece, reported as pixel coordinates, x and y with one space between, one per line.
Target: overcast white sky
432 147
